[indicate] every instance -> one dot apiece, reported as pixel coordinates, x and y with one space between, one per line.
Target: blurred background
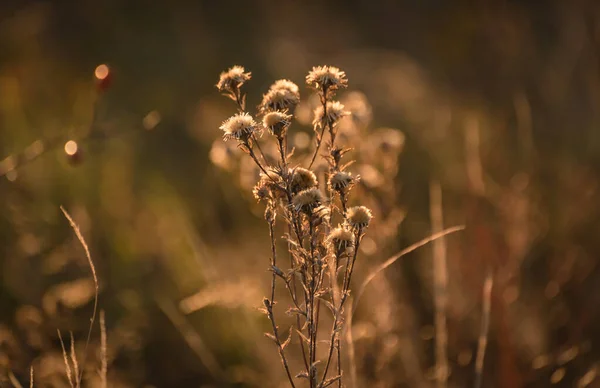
497 104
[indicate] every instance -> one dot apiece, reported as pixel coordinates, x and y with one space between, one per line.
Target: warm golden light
102 71
71 148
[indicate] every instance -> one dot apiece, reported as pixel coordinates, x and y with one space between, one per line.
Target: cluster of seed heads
322 231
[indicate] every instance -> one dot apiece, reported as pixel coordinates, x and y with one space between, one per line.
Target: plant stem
272 302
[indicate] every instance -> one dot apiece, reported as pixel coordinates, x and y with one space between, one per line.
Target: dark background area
499 101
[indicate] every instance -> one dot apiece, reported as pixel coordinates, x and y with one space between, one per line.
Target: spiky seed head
341 181
277 123
328 78
240 127
302 179
335 111
282 95
268 187
261 191
359 217
307 200
340 240
232 79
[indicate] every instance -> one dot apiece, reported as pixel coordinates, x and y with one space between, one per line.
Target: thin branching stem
272 303
320 139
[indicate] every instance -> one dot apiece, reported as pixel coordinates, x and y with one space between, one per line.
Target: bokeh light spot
71 148
101 71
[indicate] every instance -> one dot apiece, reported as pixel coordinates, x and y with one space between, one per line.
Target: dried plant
323 233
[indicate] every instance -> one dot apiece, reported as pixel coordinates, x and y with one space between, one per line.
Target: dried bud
282 96
335 111
302 179
307 200
277 123
240 127
326 78
359 217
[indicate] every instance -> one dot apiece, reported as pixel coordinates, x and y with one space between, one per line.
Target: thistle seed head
359 217
277 123
231 80
283 95
302 179
307 200
268 188
240 127
335 111
340 240
341 181
326 78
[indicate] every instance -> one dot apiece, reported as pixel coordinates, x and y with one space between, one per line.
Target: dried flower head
240 127
307 200
335 111
282 95
268 187
231 80
341 181
359 217
340 240
277 123
302 179
326 78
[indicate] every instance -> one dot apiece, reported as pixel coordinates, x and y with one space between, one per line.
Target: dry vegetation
426 215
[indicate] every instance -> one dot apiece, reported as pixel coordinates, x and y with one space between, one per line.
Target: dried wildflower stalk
323 232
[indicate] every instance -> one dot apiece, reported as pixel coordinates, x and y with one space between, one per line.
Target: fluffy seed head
240 127
359 217
307 200
282 95
277 123
335 111
341 181
268 187
340 240
232 79
302 179
328 78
